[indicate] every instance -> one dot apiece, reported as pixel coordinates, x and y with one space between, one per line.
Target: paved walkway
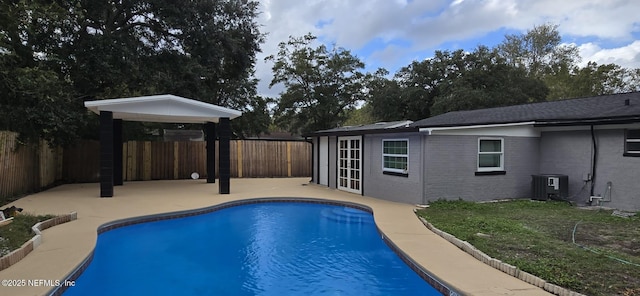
66 245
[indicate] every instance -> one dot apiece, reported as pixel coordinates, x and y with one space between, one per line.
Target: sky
393 33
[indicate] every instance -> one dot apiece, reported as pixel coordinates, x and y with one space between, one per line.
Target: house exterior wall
450 167
333 162
405 189
570 153
314 169
444 167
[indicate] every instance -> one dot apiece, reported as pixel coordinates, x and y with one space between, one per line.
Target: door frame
353 176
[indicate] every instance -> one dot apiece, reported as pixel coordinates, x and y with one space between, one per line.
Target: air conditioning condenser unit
550 186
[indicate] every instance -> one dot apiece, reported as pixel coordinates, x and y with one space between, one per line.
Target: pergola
160 108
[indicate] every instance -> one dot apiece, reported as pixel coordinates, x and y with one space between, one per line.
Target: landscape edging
499 265
16 255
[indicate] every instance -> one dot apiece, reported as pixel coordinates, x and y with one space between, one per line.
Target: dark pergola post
106 154
118 179
224 130
210 134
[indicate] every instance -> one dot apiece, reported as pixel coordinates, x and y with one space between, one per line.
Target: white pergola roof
162 108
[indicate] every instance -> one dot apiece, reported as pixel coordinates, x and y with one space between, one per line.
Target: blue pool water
275 248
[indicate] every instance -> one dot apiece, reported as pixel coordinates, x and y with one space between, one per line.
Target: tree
35 99
204 50
452 81
384 98
411 93
539 51
592 80
484 80
543 56
322 85
360 116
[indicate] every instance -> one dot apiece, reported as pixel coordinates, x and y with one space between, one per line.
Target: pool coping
433 280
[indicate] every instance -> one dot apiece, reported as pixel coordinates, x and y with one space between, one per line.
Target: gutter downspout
594 161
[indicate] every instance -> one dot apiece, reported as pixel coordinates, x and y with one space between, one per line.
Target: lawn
16 233
537 237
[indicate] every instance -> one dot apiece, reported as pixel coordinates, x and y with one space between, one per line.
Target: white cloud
423 26
626 56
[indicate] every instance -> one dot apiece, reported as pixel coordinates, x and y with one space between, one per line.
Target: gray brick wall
570 153
451 162
443 167
395 188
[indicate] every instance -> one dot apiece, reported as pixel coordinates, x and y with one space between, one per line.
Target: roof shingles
574 110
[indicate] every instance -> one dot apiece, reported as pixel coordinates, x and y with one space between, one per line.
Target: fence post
146 161
132 161
288 159
176 160
43 166
239 150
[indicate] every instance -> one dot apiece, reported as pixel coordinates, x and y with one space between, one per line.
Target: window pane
489 160
392 162
633 134
490 146
633 147
394 147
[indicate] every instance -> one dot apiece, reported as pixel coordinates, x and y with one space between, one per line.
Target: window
632 142
490 154
395 156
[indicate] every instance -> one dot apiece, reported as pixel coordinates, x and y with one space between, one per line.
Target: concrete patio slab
66 245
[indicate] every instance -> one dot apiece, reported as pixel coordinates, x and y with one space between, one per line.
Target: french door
350 164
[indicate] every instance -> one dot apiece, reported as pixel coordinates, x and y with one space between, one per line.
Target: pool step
347 215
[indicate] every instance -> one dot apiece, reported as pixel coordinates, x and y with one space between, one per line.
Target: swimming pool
265 248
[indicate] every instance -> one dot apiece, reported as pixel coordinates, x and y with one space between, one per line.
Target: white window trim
405 171
490 169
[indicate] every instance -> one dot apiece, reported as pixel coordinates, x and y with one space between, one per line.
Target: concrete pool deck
65 246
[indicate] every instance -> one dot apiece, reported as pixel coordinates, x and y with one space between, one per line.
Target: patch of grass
16 233
537 238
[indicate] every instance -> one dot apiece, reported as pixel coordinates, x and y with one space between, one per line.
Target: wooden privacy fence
27 168
144 160
31 167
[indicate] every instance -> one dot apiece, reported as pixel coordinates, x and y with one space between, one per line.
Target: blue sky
393 33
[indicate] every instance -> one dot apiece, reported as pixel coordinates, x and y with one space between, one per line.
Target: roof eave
592 121
362 132
205 112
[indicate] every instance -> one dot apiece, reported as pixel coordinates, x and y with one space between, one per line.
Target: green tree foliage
360 116
391 99
530 67
483 79
322 85
35 99
539 51
60 53
452 81
592 80
542 55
